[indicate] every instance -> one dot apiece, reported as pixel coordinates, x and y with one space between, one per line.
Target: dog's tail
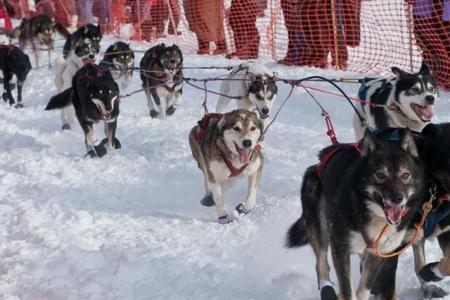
60 100
297 235
62 30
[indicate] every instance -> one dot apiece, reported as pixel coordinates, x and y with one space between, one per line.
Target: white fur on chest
390 240
222 173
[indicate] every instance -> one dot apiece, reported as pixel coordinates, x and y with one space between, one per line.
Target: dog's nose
265 110
247 143
429 99
396 199
173 61
91 56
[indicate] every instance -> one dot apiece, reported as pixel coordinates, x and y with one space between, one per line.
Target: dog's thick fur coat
227 149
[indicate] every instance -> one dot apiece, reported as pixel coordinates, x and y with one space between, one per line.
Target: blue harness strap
436 215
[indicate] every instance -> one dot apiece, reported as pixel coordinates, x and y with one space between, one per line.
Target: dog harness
333 151
207 121
385 88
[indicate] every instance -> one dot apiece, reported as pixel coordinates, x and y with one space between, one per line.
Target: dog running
405 101
87 34
256 89
349 198
95 97
39 31
13 62
162 79
119 60
226 147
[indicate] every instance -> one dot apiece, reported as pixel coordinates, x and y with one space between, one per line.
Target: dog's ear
424 68
251 82
369 143
398 72
408 144
222 122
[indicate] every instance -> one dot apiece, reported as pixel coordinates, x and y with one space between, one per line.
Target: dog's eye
415 89
432 89
253 128
380 175
236 128
109 91
405 176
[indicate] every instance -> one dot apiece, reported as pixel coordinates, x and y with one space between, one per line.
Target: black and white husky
119 60
162 79
95 96
64 71
349 198
405 101
253 85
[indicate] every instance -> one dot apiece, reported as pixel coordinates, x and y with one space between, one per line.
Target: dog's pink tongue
394 214
244 155
426 112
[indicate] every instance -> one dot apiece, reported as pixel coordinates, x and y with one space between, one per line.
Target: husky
227 147
405 101
254 86
87 34
162 79
354 193
95 96
433 145
13 62
119 60
64 71
39 31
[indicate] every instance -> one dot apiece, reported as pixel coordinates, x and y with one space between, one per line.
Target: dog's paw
153 113
100 150
328 293
207 200
433 291
170 110
19 105
428 273
117 144
91 154
66 127
225 220
241 210
5 97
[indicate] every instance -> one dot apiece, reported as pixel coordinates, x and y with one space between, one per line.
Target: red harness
203 124
329 155
9 48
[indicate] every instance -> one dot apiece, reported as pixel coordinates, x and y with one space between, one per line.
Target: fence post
409 13
335 32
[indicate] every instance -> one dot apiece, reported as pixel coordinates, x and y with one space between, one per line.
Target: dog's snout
265 110
173 61
247 143
397 198
429 99
91 56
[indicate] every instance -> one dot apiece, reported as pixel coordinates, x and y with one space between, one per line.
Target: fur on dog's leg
371 265
151 103
111 134
341 261
7 94
384 285
60 100
67 115
250 199
217 192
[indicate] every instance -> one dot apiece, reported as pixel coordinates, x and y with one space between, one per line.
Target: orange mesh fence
357 35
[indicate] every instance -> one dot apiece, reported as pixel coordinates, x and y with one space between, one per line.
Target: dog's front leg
67 114
341 262
371 265
111 141
92 149
19 93
217 193
153 102
172 100
250 199
7 94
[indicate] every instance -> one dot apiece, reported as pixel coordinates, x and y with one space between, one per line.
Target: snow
130 225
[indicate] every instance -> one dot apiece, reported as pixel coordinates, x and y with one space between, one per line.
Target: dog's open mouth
87 60
263 116
424 112
244 154
106 117
394 213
